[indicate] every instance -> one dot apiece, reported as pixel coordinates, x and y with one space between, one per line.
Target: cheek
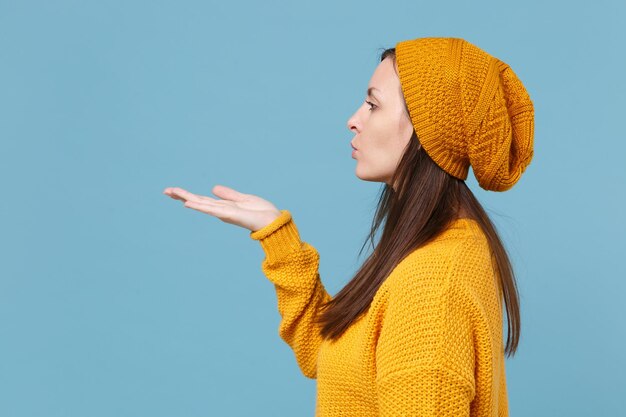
384 138
378 133
385 146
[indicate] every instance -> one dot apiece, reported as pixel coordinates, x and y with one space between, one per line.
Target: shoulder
460 258
455 278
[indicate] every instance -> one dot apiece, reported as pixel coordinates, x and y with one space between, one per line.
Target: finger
170 191
228 193
174 196
216 210
186 195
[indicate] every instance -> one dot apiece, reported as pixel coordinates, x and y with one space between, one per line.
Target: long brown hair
425 200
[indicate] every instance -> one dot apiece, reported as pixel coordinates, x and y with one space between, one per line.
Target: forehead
385 77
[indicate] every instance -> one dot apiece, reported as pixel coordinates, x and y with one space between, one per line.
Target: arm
293 267
433 337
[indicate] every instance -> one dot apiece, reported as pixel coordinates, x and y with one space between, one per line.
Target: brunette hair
425 200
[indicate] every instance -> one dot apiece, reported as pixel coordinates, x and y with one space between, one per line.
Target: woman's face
382 129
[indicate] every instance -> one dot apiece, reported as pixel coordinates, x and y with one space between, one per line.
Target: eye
370 104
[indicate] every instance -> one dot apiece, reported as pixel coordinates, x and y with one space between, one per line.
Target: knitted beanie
467 108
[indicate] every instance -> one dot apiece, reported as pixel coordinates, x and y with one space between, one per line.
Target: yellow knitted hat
467 108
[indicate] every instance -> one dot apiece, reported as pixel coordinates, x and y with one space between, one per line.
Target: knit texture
467 108
429 345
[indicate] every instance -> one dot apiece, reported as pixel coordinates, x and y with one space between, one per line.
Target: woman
418 330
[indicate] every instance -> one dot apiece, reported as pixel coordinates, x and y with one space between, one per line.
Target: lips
353 146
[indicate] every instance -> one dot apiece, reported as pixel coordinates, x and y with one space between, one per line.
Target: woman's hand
245 210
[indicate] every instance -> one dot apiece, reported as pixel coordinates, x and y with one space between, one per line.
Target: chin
364 176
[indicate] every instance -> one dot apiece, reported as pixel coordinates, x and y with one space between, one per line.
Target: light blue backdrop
115 300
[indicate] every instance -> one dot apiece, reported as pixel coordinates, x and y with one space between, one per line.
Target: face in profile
381 126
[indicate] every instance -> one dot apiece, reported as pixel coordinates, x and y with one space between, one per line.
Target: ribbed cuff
279 238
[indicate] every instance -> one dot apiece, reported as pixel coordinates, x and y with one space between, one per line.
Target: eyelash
371 104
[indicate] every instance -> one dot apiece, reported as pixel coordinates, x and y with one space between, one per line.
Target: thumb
228 193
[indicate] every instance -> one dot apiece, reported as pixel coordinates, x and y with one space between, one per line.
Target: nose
353 124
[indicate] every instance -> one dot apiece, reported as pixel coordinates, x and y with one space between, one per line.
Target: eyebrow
369 92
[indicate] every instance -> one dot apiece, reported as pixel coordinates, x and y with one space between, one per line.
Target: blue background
115 300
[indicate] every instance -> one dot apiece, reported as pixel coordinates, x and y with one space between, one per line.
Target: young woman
418 329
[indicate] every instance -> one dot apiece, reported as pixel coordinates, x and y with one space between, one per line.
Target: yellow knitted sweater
430 343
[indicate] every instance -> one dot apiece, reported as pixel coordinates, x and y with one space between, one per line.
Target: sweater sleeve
427 348
293 267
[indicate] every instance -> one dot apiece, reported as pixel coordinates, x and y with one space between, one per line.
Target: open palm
246 210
